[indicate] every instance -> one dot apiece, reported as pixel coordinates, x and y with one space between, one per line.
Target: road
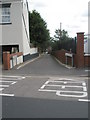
44 88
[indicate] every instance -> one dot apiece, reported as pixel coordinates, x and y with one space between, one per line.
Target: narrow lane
46 65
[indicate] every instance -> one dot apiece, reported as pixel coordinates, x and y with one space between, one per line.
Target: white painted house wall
14 33
33 51
25 25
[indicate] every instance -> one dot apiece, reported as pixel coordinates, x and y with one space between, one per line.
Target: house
14 27
87 44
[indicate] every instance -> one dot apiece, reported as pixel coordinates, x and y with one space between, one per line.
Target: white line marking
23 77
71 91
46 82
65 95
84 89
83 92
87 70
45 90
84 84
27 63
65 82
4 85
13 83
1 89
66 79
43 86
7 81
54 85
57 78
20 78
10 76
83 100
10 95
58 93
61 91
63 87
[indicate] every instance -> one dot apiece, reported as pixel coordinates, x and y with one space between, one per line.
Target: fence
16 59
66 45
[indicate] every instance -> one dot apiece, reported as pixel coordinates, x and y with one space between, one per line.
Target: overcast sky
73 14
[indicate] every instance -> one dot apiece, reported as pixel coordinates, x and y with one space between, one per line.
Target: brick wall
10 60
80 50
87 61
79 59
60 55
75 60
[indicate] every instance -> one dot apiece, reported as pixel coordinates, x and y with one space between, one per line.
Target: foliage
39 34
61 35
63 41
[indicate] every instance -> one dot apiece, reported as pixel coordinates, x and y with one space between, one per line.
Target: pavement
44 88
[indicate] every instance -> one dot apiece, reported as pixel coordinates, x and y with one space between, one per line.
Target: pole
60 30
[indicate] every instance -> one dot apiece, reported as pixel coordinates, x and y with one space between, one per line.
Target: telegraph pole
60 30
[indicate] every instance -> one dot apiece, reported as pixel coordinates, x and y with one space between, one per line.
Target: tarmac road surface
44 89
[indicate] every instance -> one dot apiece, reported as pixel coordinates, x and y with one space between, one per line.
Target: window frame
6 15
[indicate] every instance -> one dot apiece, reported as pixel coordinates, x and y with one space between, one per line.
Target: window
5 13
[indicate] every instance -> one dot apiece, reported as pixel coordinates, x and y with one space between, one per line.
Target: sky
72 14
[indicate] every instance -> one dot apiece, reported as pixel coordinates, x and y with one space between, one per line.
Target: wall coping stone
69 54
86 55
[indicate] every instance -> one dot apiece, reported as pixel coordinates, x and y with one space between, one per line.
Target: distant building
14 27
87 44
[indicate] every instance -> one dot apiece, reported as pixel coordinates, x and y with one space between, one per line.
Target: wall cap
80 32
86 54
6 52
69 54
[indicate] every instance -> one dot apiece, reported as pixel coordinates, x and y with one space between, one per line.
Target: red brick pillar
6 60
80 49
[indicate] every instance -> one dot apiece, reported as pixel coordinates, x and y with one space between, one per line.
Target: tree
39 34
63 41
57 35
61 35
